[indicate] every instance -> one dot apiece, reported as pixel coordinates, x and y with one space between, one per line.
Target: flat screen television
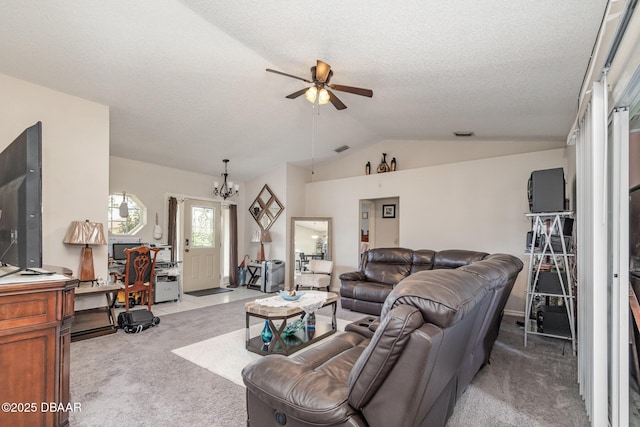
21 202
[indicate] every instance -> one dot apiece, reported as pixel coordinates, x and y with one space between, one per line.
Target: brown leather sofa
435 332
381 269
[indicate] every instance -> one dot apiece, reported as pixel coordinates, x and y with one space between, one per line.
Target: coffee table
277 318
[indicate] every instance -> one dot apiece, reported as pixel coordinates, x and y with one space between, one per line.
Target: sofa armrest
298 390
356 276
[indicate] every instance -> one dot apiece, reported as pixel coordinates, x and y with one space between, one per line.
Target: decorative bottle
367 168
383 166
393 164
266 333
311 321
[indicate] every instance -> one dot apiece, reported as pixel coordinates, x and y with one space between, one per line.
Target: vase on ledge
266 333
383 166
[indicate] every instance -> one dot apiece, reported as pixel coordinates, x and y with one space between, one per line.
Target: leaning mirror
310 239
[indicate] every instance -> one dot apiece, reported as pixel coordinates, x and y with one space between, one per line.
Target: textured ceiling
186 85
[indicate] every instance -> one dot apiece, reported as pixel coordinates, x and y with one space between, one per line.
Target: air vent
341 149
463 133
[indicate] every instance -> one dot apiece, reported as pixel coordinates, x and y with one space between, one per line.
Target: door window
202 227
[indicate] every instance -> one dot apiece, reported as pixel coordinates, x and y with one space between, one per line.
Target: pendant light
124 207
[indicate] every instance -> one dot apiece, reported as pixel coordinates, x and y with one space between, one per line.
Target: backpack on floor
136 321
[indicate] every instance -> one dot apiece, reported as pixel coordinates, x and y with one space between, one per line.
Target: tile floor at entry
189 302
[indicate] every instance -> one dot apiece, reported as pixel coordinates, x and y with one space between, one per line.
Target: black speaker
545 190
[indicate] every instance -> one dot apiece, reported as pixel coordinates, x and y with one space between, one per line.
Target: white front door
202 241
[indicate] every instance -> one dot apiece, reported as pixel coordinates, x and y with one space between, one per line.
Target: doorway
379 221
202 243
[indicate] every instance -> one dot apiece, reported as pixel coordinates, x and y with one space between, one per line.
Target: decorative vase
266 333
367 168
311 321
242 276
383 166
393 164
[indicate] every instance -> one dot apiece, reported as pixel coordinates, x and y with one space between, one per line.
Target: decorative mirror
266 208
310 239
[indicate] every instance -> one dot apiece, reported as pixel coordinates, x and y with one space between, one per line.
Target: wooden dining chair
138 275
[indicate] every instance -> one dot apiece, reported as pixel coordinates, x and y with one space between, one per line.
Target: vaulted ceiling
186 83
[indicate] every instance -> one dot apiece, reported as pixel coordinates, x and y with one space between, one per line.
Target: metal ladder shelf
545 225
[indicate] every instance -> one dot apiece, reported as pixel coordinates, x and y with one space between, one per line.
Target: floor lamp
86 233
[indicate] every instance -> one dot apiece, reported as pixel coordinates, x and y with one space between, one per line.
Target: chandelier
227 189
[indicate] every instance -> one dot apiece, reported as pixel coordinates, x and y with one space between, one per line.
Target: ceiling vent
463 133
341 149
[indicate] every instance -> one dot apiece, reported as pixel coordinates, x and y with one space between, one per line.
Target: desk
94 322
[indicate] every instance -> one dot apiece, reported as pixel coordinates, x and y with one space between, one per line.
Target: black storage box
553 320
549 282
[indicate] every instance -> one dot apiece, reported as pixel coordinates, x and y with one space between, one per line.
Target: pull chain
314 113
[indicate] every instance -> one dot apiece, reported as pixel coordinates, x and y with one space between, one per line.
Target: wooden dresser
35 337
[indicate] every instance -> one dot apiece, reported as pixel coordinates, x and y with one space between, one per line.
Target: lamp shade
85 233
265 237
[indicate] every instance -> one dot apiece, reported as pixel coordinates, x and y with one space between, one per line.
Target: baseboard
514 313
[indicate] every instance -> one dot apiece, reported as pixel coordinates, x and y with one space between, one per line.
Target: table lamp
86 233
265 237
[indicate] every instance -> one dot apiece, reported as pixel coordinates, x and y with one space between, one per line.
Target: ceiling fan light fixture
311 94
323 96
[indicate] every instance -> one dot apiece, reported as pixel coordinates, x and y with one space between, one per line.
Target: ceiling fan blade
296 94
288 75
322 71
351 89
335 101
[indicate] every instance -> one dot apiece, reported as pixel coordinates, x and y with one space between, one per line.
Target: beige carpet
225 355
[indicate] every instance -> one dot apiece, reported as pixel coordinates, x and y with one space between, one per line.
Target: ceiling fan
320 75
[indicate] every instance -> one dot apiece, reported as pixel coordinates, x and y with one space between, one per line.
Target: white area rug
225 355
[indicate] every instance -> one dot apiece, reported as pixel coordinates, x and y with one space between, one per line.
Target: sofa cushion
312 386
454 258
380 356
422 259
367 291
388 265
442 296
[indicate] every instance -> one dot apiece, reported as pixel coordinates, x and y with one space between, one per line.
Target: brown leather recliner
435 332
381 269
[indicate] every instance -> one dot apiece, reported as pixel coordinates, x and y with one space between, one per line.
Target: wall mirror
266 208
310 238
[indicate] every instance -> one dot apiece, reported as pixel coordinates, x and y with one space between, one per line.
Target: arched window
131 224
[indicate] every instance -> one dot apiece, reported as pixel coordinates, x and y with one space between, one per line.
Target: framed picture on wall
388 211
365 215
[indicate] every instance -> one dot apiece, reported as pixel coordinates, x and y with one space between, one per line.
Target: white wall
153 184
296 179
75 164
477 205
386 229
420 153
276 180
